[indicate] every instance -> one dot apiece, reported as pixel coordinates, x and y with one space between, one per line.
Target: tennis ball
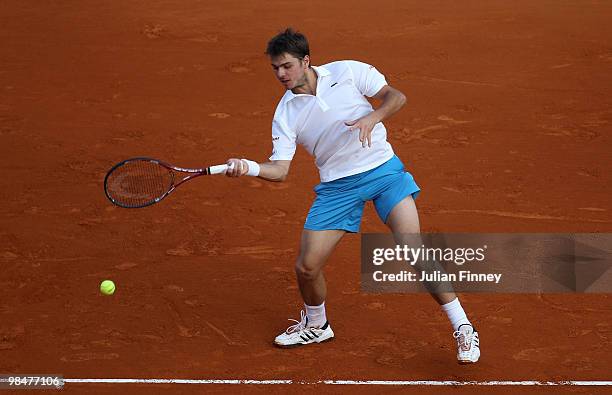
107 287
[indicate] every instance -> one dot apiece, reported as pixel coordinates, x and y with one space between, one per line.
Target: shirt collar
321 72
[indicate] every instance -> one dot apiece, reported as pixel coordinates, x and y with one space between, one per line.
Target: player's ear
306 61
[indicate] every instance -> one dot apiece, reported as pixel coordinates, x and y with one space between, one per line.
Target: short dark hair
289 41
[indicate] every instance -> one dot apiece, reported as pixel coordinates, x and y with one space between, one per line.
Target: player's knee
307 268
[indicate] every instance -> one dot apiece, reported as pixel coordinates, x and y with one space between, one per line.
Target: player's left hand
365 126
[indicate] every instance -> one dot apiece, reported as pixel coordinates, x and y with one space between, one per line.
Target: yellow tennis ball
107 287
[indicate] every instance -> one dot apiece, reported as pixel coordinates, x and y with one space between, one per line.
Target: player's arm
275 171
391 101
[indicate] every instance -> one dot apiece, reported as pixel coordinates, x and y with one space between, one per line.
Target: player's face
290 71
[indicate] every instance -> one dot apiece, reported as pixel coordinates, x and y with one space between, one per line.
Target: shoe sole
300 344
466 362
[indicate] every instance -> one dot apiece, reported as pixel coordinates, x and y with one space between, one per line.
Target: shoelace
462 338
300 325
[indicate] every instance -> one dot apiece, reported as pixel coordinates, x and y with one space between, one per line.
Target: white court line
345 382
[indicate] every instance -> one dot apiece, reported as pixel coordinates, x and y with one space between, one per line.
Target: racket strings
138 183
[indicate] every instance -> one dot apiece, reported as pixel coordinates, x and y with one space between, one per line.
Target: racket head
138 182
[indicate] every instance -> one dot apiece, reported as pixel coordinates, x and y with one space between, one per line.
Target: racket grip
220 169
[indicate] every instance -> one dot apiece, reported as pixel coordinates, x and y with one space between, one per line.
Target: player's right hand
237 168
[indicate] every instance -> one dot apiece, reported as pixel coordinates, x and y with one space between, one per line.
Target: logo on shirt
275 138
334 84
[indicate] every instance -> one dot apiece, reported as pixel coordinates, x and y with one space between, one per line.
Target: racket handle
220 169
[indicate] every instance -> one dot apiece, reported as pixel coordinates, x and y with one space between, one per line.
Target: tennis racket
141 182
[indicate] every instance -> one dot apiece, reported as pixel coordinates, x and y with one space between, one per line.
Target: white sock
316 315
455 313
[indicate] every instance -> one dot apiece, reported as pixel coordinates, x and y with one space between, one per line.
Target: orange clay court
507 129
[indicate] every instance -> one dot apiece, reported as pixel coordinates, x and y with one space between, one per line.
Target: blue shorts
339 203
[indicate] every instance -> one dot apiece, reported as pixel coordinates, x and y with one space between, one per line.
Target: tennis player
325 110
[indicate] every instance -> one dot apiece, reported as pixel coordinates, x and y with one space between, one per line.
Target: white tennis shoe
468 344
301 334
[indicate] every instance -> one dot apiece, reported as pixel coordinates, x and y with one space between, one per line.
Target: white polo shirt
317 122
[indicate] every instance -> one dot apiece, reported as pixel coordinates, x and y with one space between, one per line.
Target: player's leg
404 223
393 191
336 210
313 327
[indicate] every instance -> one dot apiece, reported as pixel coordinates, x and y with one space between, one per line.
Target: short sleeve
283 141
367 79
